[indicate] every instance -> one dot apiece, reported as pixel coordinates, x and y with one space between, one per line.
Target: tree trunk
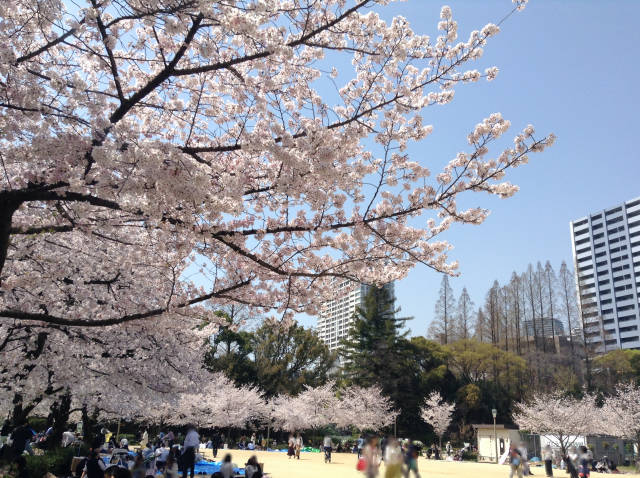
6 214
60 411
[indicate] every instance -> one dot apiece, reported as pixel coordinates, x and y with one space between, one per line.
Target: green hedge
57 461
469 456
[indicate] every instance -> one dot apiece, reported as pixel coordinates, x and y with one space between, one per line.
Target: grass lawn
311 465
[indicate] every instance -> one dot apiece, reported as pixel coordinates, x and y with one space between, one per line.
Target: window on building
626 307
624 318
621 258
631 328
629 339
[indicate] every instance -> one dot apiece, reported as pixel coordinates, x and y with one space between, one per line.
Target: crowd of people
578 462
172 455
164 455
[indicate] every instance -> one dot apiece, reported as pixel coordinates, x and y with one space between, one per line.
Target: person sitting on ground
252 468
227 467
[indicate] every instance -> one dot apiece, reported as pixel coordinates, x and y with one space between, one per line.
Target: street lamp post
494 413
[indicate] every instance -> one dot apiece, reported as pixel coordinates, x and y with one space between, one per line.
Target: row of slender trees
513 313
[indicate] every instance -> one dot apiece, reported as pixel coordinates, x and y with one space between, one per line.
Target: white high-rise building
337 314
606 253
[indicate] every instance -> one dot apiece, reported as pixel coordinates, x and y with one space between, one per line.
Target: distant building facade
544 327
337 315
606 253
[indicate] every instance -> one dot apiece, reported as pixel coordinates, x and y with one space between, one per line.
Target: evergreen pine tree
372 347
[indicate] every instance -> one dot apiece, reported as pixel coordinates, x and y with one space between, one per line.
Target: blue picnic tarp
202 467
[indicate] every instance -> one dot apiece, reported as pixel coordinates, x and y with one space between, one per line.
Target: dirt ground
311 465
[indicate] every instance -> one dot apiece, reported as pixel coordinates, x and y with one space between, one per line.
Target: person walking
525 459
392 459
411 460
327 446
371 455
547 457
515 462
189 447
216 442
360 445
584 470
571 461
298 445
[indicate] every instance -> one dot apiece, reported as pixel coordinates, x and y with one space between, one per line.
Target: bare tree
550 284
441 325
464 325
568 299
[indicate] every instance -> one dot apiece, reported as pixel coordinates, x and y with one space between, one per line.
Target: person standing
171 466
298 445
383 447
291 446
392 459
547 457
515 462
94 467
191 444
327 446
145 439
371 456
360 445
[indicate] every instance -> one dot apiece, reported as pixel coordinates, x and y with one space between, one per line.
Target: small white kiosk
486 440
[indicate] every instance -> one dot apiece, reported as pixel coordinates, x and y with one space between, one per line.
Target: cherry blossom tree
218 403
366 408
144 142
621 414
561 418
123 371
437 413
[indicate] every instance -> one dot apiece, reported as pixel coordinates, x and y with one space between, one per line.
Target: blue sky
567 66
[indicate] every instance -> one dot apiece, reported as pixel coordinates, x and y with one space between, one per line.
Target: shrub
37 466
469 456
56 461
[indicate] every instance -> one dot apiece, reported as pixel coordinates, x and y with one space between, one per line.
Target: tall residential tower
336 315
606 253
